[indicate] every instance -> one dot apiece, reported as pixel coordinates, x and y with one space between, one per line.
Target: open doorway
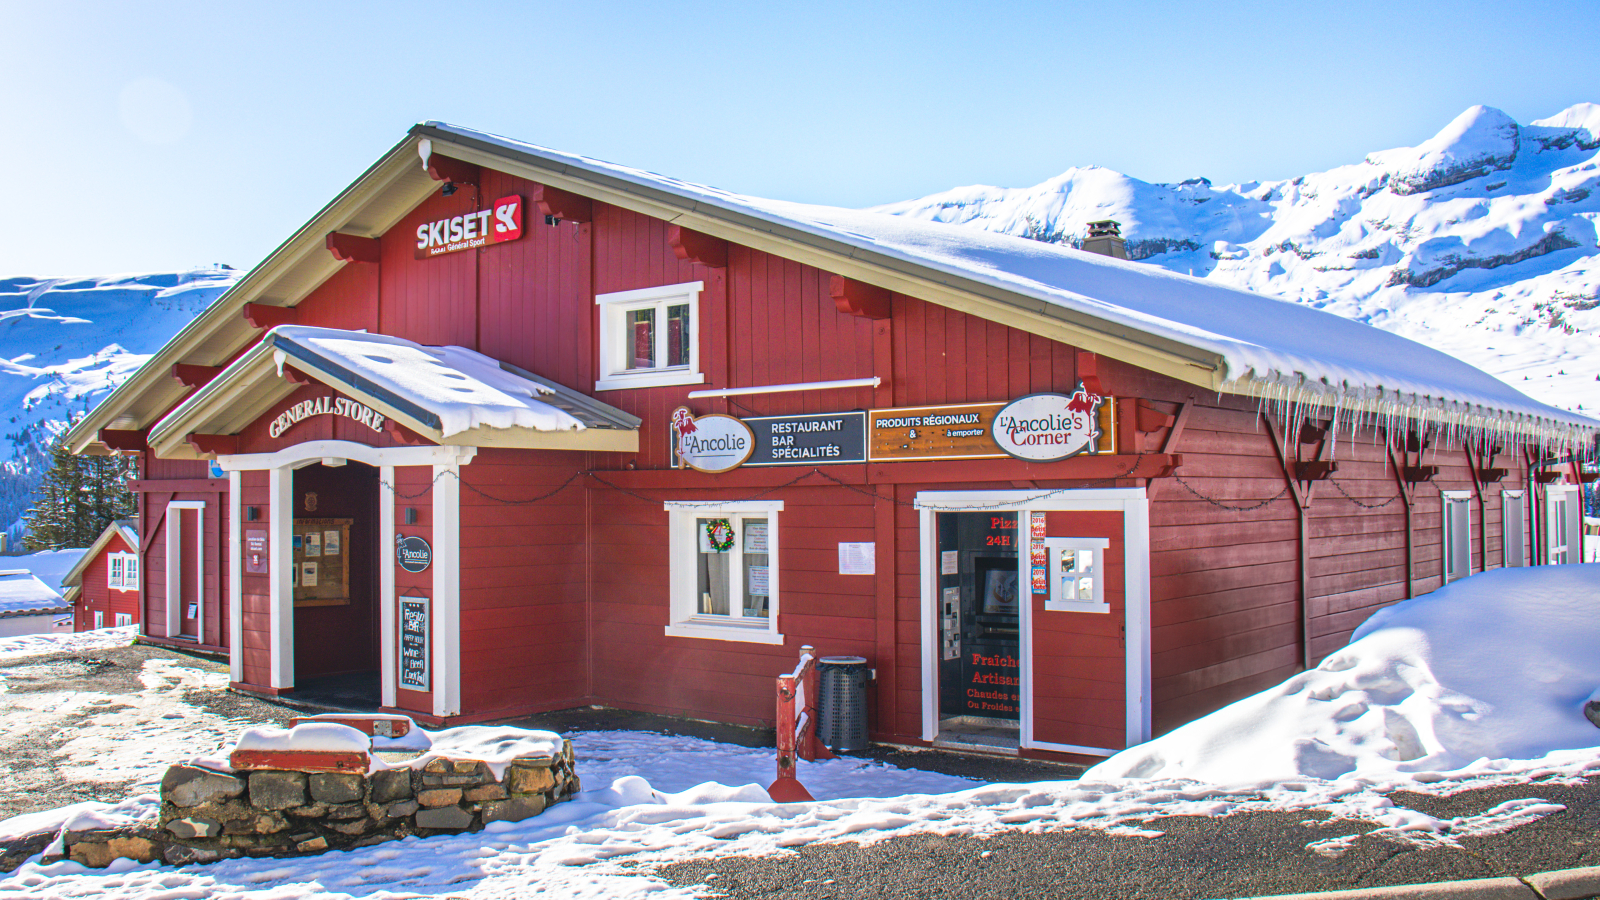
980 695
335 557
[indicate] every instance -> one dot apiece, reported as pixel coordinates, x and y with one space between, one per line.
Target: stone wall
208 814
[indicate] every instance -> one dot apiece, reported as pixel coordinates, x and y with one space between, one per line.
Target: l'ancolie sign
1048 427
499 223
322 406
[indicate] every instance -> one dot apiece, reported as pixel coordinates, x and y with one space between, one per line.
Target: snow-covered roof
128 529
1261 346
459 389
21 594
446 394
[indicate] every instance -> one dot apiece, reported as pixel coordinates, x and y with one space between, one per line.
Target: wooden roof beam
261 315
117 439
208 444
452 171
353 247
191 375
857 298
559 204
697 247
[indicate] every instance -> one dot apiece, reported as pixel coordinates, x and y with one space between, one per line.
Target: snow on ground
1495 666
34 644
1476 685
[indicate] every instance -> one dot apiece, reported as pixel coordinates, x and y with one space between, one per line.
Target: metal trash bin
842 703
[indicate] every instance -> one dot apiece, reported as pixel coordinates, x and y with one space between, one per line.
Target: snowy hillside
65 343
1482 241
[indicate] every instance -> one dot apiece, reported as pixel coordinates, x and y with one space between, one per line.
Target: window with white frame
99 620
724 571
1513 528
122 571
124 619
1457 534
648 337
1562 523
1076 567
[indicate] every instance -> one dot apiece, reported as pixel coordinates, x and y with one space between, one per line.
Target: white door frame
174 526
446 462
1134 506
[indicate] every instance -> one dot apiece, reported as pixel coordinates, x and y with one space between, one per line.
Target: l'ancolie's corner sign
499 223
1037 428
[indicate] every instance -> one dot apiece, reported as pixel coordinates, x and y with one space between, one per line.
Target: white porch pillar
281 554
447 589
386 601
235 582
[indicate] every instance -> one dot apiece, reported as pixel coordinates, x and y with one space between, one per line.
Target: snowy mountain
1482 241
64 344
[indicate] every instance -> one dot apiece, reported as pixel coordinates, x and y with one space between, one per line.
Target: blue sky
161 135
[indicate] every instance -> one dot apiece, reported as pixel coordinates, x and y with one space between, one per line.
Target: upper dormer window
648 337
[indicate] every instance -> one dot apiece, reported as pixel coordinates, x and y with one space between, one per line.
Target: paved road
1244 855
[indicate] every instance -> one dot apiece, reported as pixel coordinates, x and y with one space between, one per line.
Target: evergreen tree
79 497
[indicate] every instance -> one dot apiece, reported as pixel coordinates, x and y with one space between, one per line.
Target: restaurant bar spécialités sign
501 222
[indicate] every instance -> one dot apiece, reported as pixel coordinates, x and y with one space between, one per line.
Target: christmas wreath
719 534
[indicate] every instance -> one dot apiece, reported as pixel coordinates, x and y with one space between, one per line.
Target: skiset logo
497 224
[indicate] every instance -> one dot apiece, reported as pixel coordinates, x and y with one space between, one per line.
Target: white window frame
614 338
1513 541
1448 531
99 620
122 571
686 619
1053 548
123 619
1563 523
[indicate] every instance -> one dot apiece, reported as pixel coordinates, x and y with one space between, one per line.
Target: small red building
103 585
520 430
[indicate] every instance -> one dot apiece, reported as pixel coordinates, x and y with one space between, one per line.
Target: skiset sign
499 223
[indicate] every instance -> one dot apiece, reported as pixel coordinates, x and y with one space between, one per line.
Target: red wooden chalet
103 585
572 433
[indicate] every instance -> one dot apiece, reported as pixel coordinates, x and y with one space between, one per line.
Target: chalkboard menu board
414 643
321 554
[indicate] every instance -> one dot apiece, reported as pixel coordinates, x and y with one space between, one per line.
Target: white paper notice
950 562
858 559
758 581
330 543
308 574
755 537
314 543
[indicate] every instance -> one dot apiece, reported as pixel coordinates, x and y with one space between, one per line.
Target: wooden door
1079 656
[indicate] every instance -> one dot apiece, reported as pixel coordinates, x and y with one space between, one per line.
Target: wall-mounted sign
934 432
1048 427
497 224
714 443
255 552
325 406
414 643
809 439
412 553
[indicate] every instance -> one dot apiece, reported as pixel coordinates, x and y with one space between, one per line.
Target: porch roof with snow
449 395
1199 332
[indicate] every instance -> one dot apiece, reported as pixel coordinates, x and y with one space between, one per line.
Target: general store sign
1048 427
499 223
714 443
325 406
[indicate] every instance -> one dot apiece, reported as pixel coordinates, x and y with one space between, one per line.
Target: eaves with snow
1202 333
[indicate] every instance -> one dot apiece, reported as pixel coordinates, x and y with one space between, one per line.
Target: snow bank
322 737
495 745
1493 667
34 644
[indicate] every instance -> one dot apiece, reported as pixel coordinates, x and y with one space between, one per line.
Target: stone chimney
1105 238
